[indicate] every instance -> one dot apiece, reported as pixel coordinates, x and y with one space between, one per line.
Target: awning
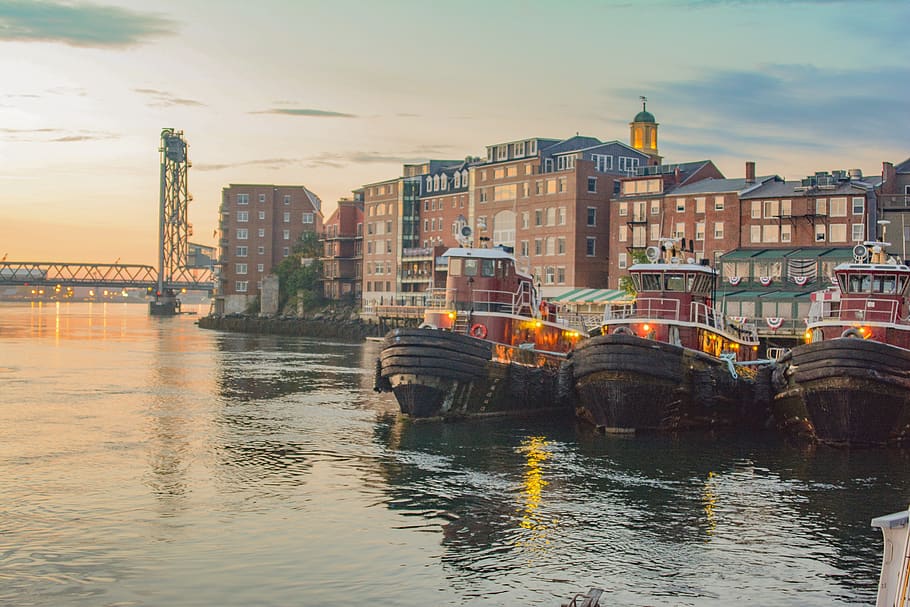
592 296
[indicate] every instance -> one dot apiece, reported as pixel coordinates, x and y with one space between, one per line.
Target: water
145 461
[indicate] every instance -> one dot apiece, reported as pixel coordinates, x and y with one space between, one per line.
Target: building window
602 163
786 208
655 231
538 217
623 209
483 195
524 248
820 232
285 251
821 207
261 232
243 234
756 209
838 208
561 216
287 217
243 216
538 246
592 217
241 286
243 199
838 230
623 233
241 251
718 203
755 233
307 218
240 268
592 185
561 184
260 250
262 198
700 205
623 261
680 230
859 205
525 220
287 199
858 233
786 232
680 205
771 209
286 234
591 246
551 216
261 214
550 275
770 233
700 230
561 274
718 229
561 245
260 267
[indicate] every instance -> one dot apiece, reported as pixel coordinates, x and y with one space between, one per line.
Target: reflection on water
144 461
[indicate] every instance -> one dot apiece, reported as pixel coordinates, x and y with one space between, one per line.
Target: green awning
740 254
741 294
591 296
787 295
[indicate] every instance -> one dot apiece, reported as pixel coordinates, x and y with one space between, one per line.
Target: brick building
258 226
342 241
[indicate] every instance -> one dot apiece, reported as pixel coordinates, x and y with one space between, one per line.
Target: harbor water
145 461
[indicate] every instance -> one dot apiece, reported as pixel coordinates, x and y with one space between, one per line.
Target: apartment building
259 224
894 208
342 241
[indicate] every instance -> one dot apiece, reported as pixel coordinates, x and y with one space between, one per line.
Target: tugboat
850 384
894 579
668 361
488 344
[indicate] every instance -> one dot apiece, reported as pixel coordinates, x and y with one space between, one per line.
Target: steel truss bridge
174 230
115 276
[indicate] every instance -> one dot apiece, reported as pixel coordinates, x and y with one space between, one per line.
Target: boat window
859 283
675 282
884 283
454 266
470 267
488 267
650 282
842 279
901 284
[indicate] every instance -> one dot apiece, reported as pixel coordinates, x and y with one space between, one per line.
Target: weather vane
644 101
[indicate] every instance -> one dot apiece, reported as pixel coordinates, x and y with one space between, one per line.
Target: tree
301 272
625 282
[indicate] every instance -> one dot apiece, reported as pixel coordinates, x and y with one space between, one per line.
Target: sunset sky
339 93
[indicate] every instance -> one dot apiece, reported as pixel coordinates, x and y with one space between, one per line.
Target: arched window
457 179
444 181
435 182
429 184
464 178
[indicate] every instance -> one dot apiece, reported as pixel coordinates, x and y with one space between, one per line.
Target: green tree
301 272
625 282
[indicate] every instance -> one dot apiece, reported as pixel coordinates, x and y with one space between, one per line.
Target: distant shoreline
355 330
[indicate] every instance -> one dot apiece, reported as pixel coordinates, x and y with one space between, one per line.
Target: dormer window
435 182
464 178
444 182
429 184
457 179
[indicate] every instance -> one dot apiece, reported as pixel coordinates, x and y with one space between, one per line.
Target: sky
340 93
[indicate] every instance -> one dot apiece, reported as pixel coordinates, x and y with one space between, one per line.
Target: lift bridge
172 276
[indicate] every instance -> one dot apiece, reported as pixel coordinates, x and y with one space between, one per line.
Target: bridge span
100 275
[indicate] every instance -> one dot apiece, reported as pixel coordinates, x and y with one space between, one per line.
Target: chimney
750 172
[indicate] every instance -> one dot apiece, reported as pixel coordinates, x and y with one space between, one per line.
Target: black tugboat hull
628 384
443 374
844 392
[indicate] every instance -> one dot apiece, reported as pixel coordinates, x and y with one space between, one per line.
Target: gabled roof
795 189
572 144
719 186
903 167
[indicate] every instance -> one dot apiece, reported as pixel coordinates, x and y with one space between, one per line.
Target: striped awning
592 296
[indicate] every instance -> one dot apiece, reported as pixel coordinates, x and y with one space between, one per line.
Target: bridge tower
173 226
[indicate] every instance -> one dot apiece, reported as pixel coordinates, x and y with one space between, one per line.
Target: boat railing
873 310
480 300
644 307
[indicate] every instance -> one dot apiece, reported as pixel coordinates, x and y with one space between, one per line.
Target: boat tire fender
479 331
623 331
851 332
426 326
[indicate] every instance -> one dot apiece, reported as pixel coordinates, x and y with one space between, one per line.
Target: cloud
305 112
52 135
80 25
269 163
165 99
802 107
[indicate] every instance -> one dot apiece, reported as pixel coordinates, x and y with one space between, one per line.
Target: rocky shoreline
355 330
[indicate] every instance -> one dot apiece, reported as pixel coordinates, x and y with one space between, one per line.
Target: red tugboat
488 344
850 385
668 361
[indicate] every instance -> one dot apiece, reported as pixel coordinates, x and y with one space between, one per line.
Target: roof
592 296
756 295
800 253
572 144
718 186
644 116
796 189
479 253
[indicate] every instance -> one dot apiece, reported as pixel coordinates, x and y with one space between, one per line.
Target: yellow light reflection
709 499
536 451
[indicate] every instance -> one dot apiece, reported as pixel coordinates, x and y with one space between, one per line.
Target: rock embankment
302 327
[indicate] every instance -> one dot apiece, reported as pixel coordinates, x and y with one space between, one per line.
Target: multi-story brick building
342 261
894 207
259 224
